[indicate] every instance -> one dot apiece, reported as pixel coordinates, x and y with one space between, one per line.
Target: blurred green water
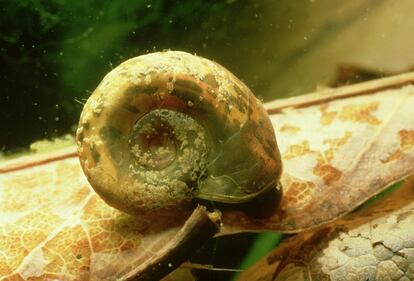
54 53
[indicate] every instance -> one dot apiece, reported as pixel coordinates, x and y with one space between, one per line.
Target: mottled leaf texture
337 152
372 244
54 227
339 148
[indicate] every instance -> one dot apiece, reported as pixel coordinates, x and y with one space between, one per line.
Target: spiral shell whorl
165 127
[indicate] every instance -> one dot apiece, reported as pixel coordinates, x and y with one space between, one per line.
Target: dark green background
53 53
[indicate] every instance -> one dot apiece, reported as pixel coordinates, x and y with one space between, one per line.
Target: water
54 53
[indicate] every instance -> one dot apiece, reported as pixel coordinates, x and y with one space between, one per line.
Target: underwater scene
207 140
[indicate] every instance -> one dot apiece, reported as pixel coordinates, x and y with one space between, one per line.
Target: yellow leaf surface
336 154
54 226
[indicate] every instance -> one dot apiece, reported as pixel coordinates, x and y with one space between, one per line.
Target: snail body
164 128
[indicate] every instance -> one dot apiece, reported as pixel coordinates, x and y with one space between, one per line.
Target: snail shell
164 128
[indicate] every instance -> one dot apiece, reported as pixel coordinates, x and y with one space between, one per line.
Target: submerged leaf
375 243
336 155
54 226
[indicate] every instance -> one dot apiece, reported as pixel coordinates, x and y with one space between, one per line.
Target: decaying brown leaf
375 243
338 150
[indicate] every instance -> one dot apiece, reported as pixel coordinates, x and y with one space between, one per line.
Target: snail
164 129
